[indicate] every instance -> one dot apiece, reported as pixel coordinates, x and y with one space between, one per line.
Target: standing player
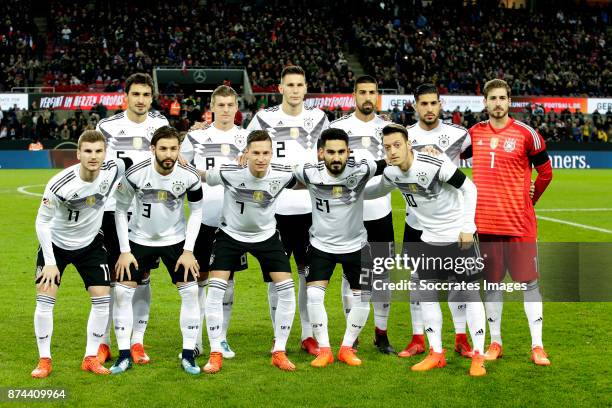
504 152
431 188
337 235
67 226
247 223
449 140
295 130
128 134
158 230
214 146
364 131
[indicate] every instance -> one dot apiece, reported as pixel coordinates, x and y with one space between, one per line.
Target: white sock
214 312
202 302
416 316
96 324
476 319
190 314
228 305
272 302
381 314
458 311
303 306
43 324
357 318
284 314
123 315
347 296
494 306
106 339
141 304
432 318
318 315
534 311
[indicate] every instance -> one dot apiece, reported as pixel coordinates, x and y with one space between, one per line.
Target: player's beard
499 114
164 165
366 109
338 169
429 122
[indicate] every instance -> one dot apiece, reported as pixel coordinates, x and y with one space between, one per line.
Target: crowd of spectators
538 52
103 45
21 48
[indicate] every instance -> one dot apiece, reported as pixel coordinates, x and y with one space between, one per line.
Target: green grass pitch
576 335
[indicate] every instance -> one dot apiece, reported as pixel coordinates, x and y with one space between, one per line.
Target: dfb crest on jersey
378 133
178 188
150 131
294 132
225 149
258 196
308 124
240 141
366 141
413 187
274 187
337 191
137 143
422 179
509 145
162 195
494 142
351 182
104 186
91 200
443 141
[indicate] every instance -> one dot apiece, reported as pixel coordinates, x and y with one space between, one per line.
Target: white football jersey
159 215
74 208
125 138
210 148
294 141
249 201
437 205
449 139
337 202
365 142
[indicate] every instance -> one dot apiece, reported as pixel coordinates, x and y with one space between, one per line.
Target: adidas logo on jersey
75 195
122 132
280 123
429 330
148 185
209 140
242 185
480 332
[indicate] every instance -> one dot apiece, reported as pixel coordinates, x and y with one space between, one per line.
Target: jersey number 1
492 159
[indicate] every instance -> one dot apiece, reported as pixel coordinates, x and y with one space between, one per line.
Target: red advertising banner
330 101
519 103
83 101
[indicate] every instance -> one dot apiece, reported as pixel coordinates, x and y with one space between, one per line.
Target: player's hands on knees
182 160
532 189
122 267
199 126
430 150
188 261
466 240
50 276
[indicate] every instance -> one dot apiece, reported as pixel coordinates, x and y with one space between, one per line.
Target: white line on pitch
574 224
571 209
23 189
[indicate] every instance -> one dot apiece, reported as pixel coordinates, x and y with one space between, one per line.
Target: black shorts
294 234
203 249
380 230
356 266
441 262
227 253
89 261
149 255
411 234
111 242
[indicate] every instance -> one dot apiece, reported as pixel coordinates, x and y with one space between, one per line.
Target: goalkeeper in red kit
504 151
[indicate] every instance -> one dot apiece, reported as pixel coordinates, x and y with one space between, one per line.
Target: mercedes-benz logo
199 76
